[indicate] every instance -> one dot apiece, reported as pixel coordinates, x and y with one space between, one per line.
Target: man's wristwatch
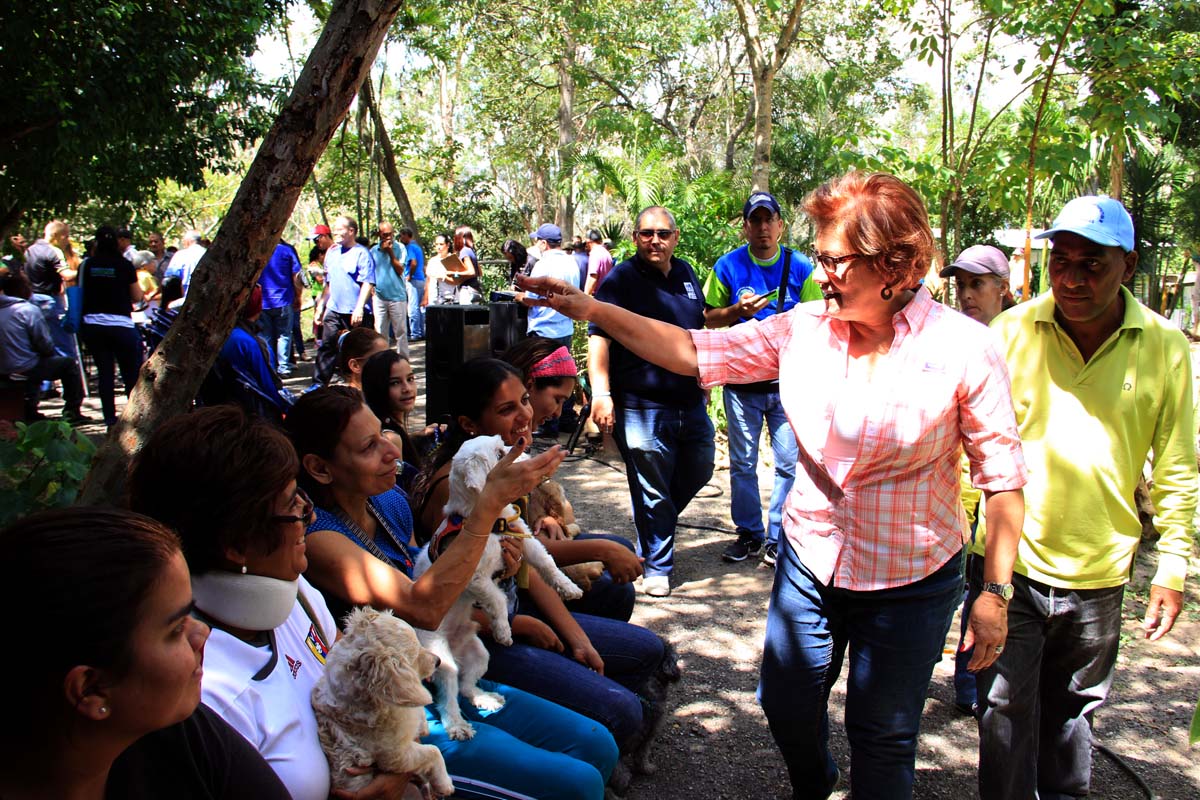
1005 590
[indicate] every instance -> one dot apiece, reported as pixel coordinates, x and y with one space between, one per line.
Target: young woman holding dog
550 378
104 695
361 553
600 665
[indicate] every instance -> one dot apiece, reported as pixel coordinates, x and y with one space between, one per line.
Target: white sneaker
656 585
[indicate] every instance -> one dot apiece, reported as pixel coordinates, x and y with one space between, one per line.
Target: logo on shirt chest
294 665
691 291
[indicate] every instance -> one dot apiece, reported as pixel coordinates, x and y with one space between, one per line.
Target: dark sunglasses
649 233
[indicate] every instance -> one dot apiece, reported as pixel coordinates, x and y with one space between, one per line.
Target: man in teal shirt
391 299
744 285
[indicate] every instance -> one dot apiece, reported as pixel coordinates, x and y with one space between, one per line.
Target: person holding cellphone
744 284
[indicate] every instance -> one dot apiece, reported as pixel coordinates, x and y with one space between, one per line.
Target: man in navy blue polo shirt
744 284
658 419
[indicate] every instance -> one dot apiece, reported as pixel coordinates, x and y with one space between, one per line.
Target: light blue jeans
529 748
276 325
416 314
745 413
668 456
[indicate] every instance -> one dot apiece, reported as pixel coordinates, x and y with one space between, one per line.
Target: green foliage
108 96
43 467
472 201
716 409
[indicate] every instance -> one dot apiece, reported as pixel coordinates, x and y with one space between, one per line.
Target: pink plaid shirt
942 388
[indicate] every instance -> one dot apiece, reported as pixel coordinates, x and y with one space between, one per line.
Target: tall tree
765 61
333 74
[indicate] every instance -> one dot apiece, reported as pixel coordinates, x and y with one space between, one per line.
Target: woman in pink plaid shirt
885 387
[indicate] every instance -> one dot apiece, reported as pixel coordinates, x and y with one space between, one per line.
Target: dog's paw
570 591
442 788
488 701
502 633
461 731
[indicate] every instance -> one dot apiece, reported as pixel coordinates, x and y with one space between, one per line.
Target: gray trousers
393 314
1037 700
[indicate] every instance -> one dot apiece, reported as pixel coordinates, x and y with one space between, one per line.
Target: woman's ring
999 649
543 480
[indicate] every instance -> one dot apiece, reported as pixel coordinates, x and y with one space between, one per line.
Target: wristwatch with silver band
1004 590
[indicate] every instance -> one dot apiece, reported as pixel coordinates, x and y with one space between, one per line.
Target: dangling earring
886 293
243 569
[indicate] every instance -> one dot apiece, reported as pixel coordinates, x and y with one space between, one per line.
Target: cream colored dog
463 656
370 704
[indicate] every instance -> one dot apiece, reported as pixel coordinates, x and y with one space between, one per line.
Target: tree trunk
1116 166
388 162
332 75
760 169
566 136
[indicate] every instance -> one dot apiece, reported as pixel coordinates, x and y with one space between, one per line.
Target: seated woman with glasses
884 387
104 696
227 483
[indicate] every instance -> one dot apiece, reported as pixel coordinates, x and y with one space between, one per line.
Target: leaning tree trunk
331 77
388 163
760 165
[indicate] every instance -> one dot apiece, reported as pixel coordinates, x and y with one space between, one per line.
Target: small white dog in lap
464 659
370 704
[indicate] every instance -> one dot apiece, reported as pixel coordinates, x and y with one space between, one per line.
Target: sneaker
745 546
770 554
656 585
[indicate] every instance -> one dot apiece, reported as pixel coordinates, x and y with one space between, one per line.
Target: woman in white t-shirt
226 482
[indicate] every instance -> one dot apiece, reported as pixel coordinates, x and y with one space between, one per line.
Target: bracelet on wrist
601 394
470 532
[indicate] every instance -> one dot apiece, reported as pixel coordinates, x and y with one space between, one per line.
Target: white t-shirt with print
265 694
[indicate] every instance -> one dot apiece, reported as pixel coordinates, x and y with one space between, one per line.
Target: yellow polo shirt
1087 430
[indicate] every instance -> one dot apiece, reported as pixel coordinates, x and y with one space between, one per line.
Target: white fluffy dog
464 658
370 703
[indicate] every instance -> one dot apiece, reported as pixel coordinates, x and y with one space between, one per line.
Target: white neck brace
249 602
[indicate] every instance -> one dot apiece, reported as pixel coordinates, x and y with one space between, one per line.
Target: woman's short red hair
882 218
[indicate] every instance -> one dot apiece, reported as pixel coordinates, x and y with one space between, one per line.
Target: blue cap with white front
1102 220
760 200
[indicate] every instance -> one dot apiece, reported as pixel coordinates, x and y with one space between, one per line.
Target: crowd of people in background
923 457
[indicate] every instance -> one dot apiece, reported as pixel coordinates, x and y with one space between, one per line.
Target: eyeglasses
306 510
648 234
837 266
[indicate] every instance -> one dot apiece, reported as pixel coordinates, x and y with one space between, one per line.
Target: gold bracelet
470 532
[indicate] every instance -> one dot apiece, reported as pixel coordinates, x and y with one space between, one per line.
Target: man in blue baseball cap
554 263
746 284
1099 382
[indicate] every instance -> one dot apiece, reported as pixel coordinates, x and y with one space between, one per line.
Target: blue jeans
276 326
529 748
668 456
606 598
895 638
746 412
631 654
53 308
1035 733
111 344
416 314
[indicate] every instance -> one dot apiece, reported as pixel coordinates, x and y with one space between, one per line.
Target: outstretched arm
660 343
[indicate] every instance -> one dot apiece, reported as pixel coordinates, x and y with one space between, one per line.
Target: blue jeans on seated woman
528 748
631 654
895 637
606 597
